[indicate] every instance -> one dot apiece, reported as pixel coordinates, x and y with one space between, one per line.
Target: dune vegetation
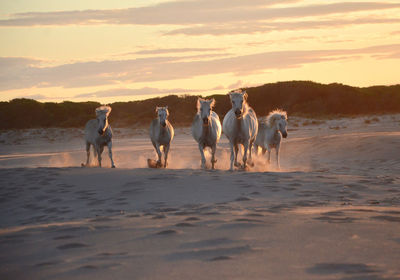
298 98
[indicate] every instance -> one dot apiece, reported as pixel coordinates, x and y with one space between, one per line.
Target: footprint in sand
210 254
339 268
72 246
167 232
184 225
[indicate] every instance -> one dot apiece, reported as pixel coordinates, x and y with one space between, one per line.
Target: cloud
236 85
263 27
35 96
152 69
176 50
192 12
7 62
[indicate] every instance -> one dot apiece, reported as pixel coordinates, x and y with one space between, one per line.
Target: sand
331 212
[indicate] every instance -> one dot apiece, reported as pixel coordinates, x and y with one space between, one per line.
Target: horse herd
240 125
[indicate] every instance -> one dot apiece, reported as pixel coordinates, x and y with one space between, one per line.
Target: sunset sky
107 51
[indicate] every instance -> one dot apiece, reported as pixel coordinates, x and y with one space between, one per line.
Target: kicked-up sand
331 212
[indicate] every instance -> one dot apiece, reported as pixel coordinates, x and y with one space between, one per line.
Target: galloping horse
98 133
206 129
240 126
161 135
269 134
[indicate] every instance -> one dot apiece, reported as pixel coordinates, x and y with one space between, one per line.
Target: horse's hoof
244 168
251 164
83 165
113 166
237 164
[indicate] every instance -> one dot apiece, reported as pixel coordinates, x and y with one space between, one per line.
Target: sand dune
331 212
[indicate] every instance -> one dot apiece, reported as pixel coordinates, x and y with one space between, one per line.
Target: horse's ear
166 107
212 103
198 103
157 109
245 95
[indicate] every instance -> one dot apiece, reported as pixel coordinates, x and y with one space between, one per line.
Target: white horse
206 129
98 133
240 126
161 134
270 132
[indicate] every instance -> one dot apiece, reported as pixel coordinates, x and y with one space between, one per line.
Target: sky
123 50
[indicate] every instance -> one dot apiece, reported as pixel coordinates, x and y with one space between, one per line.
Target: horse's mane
104 109
273 116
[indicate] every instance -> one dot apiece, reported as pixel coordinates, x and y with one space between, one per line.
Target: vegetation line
298 98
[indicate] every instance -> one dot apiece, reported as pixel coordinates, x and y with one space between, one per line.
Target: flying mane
274 115
104 109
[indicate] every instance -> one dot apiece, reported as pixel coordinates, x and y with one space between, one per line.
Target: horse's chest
103 140
241 138
164 137
275 140
206 141
206 138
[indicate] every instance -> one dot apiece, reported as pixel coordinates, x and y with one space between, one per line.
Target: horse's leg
109 145
166 150
203 158
157 147
263 150
277 156
251 163
87 153
232 156
236 154
99 152
213 160
245 150
256 149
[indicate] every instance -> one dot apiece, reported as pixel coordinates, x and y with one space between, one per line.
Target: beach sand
331 212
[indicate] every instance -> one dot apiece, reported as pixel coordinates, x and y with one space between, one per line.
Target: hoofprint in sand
332 212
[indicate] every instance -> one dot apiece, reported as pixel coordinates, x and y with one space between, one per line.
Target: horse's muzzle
284 134
100 131
163 124
238 113
205 121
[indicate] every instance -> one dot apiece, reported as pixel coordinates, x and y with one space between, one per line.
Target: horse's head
102 113
204 108
162 114
279 121
238 100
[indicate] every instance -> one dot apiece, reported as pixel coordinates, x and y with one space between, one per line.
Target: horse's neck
205 130
274 132
163 130
239 123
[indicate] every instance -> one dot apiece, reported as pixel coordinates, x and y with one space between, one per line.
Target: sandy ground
331 212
